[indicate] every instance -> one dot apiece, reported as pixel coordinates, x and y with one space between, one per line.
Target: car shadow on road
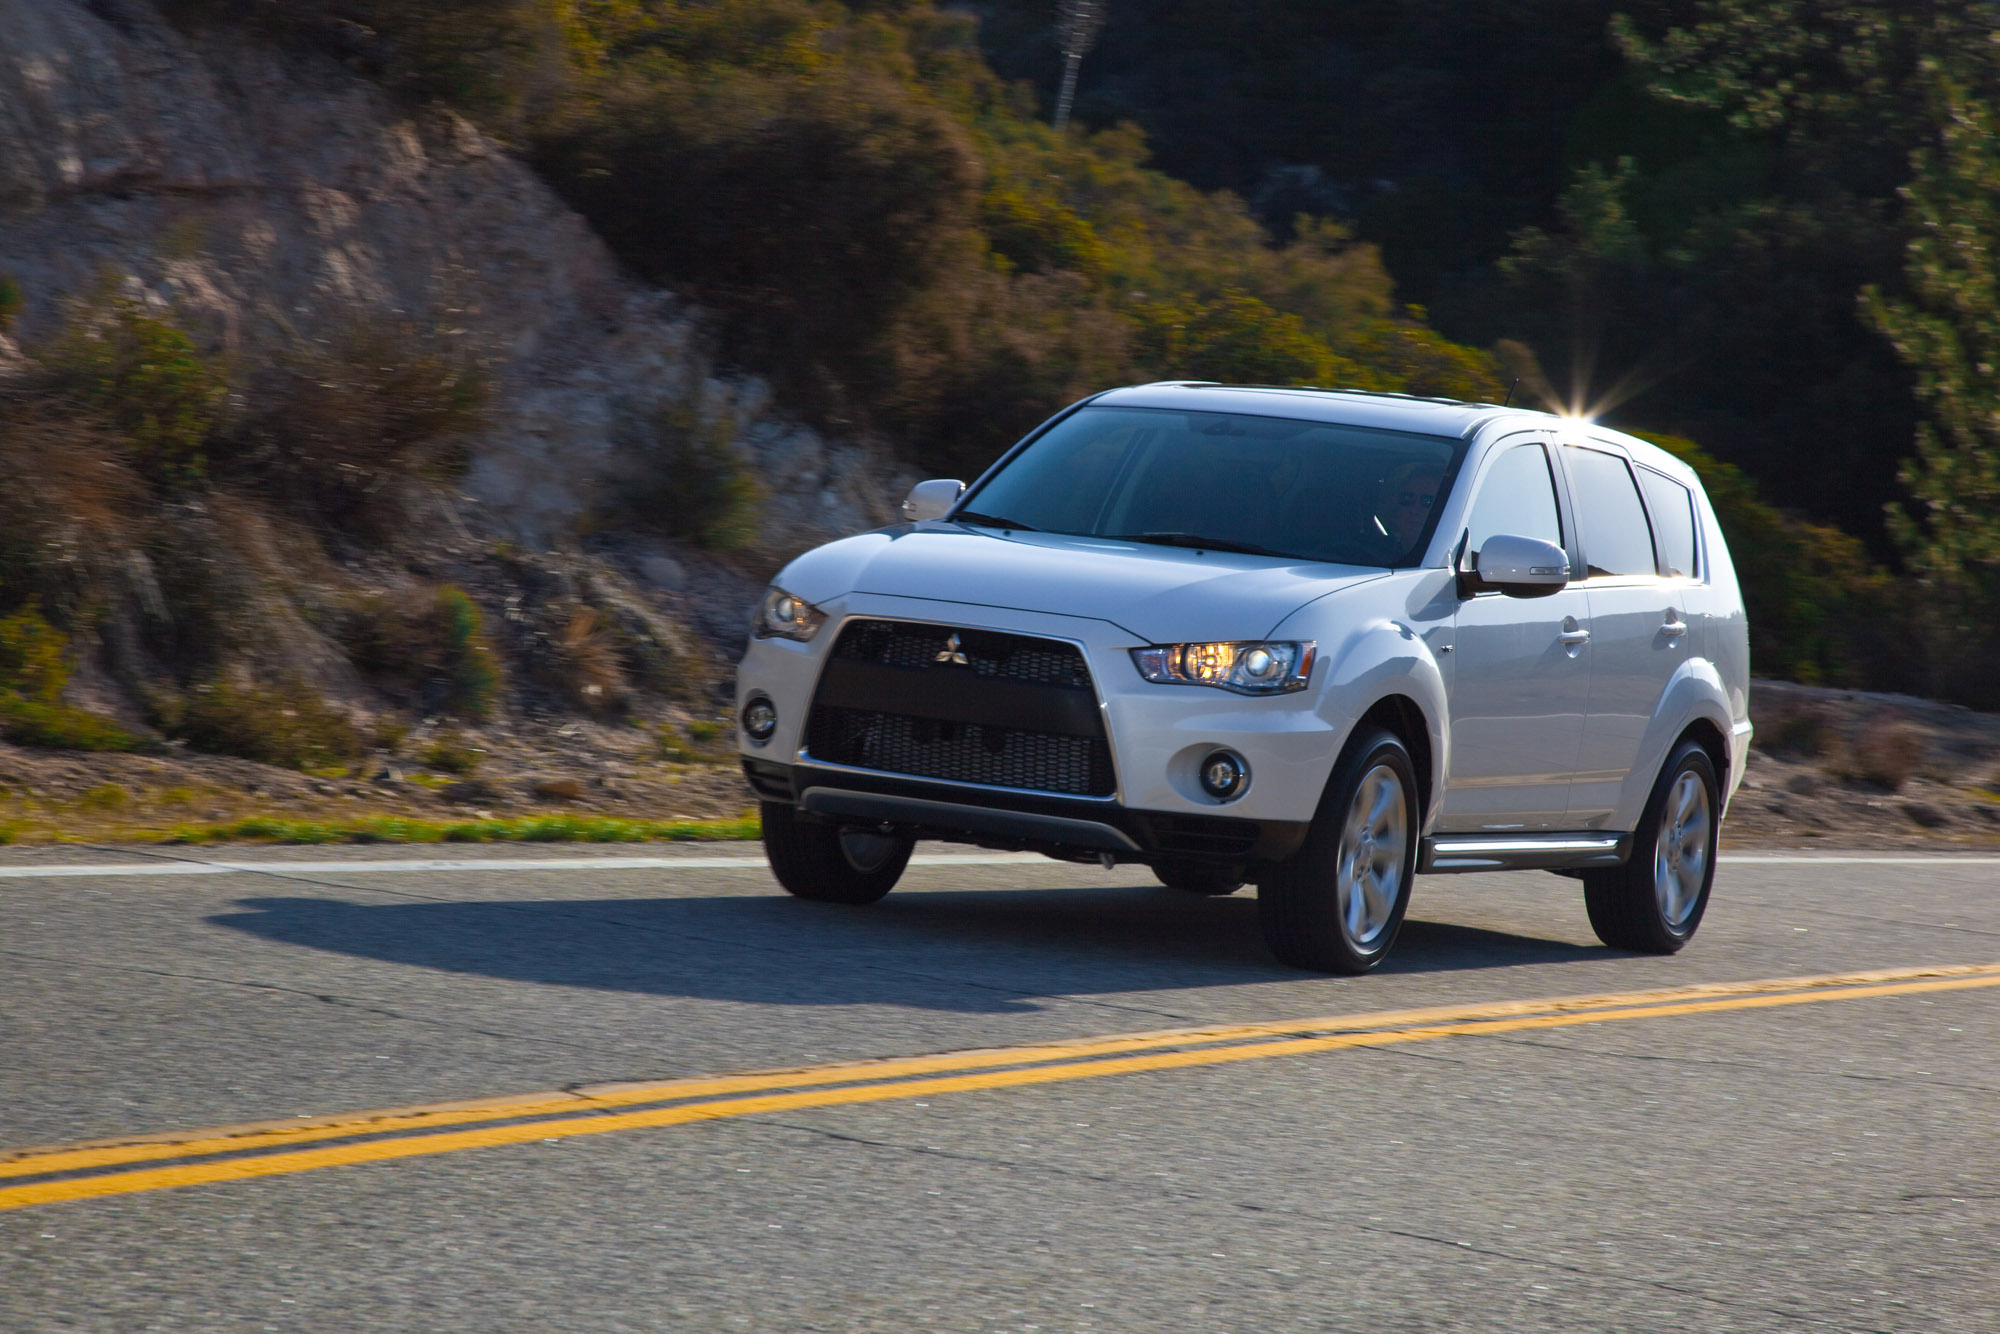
972 951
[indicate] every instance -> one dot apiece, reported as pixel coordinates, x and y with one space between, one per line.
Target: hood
1159 594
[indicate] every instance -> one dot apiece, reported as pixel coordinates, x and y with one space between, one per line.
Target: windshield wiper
992 521
1204 543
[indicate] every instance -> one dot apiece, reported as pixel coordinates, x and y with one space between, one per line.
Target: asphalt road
1743 1157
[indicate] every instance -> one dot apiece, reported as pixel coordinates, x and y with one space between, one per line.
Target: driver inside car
1403 503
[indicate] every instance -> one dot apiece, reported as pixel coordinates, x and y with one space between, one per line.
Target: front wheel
1654 902
1337 903
831 863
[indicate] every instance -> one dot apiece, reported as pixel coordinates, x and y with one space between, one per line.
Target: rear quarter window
1673 524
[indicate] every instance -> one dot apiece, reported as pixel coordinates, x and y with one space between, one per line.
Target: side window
1516 497
1612 522
1673 523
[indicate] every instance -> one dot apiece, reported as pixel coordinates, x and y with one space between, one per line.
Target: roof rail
1325 389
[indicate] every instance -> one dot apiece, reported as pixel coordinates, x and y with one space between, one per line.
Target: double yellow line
230 1153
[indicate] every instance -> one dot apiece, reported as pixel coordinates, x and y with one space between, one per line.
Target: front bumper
1157 734
1067 827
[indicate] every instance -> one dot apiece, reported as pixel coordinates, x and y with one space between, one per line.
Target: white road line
360 867
612 863
1836 859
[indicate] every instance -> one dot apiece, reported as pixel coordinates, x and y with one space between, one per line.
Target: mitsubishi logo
952 653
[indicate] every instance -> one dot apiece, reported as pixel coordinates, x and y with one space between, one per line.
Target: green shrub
145 377
1033 233
34 668
289 724
33 656
1237 339
472 666
338 427
833 192
27 722
451 753
430 644
691 482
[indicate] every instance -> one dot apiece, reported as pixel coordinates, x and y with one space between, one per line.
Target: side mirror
1520 567
932 499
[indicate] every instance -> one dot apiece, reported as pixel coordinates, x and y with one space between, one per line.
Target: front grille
1019 712
987 654
961 752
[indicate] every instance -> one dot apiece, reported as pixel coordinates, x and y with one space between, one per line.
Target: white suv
1318 641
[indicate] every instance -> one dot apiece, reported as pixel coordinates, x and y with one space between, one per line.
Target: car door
1639 625
1519 671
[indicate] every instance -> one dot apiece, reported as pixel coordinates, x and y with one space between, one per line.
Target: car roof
1393 412
1351 407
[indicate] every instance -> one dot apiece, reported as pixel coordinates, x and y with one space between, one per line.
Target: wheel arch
1694 706
1704 733
1404 718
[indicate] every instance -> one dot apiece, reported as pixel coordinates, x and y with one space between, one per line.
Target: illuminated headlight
782 616
1258 667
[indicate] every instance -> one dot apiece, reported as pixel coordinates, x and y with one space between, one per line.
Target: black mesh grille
1008 657
961 752
964 750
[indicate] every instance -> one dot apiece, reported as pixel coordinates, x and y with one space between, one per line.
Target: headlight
1256 667
783 616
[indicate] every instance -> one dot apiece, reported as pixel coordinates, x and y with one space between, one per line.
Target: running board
1445 853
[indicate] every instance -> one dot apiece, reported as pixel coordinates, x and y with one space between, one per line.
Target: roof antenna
1510 392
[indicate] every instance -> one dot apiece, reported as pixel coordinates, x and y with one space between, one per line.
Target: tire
1654 902
831 863
1316 911
1193 878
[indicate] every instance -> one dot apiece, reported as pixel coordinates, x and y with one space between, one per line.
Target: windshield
1318 491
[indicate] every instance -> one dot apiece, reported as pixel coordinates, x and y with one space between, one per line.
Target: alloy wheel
1373 847
1680 856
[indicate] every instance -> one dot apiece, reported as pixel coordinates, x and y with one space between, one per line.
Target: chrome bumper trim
946 815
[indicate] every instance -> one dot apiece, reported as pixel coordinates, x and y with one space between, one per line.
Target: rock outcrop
265 194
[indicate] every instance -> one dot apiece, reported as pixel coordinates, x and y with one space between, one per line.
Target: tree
1948 332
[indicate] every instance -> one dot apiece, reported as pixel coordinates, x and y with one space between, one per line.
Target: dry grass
531 829
1797 727
1885 752
68 503
347 429
587 663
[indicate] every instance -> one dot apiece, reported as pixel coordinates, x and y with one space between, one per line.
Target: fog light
1224 775
760 719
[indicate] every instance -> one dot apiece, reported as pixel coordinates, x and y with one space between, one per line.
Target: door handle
1675 627
1573 637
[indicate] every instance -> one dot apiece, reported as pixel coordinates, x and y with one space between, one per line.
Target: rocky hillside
325 421
265 196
